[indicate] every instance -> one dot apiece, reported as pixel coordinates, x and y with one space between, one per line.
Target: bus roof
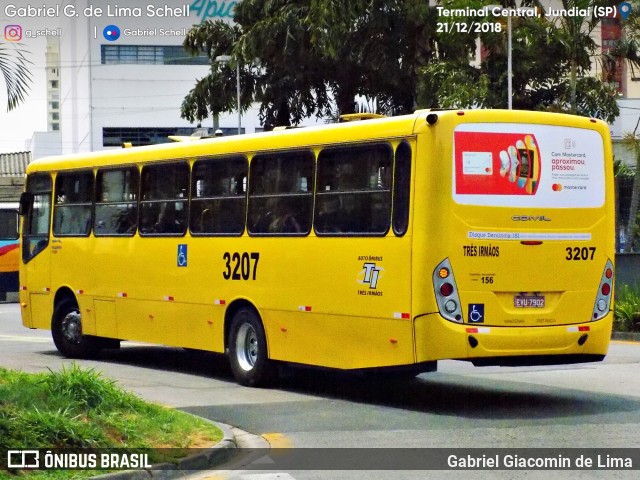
345 132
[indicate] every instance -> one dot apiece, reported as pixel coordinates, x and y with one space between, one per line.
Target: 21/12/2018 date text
471 27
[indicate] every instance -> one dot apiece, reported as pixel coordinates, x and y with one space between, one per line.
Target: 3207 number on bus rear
580 253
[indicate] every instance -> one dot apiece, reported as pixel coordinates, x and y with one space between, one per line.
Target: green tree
15 69
216 92
633 142
551 68
310 57
627 50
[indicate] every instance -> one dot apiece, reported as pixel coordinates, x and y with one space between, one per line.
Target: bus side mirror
26 200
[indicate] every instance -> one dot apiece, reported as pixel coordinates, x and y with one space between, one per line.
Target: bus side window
219 196
354 190
73 205
401 189
281 193
35 235
116 208
164 205
8 224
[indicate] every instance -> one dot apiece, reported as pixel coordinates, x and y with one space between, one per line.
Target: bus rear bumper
439 339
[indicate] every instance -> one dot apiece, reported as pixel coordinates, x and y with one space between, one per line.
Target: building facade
125 73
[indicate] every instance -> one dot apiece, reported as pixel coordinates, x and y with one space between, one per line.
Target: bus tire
248 355
66 330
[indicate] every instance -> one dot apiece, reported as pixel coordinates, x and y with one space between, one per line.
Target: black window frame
9 222
29 200
72 205
323 196
164 202
134 202
267 221
401 203
242 179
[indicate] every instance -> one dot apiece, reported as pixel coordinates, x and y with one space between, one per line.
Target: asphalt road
460 406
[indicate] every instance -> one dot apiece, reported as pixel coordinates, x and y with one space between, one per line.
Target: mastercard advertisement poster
528 165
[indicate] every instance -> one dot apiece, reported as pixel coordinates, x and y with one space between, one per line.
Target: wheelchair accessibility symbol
476 313
182 255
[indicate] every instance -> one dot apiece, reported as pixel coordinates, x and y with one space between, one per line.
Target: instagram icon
13 33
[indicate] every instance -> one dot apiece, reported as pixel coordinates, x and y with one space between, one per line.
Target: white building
124 74
126 88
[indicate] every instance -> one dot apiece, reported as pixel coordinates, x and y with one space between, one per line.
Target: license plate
528 301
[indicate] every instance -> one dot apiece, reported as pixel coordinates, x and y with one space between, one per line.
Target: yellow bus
8 249
485 236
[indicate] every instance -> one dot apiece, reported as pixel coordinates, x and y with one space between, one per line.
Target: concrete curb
627 336
208 459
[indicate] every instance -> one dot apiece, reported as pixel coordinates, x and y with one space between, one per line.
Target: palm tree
17 77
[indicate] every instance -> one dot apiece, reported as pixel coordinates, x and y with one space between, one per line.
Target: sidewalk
201 465
626 336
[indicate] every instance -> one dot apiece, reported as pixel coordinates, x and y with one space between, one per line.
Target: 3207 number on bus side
238 266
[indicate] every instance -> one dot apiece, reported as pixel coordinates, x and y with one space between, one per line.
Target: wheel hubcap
72 327
247 347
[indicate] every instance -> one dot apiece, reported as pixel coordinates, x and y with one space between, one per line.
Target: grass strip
79 408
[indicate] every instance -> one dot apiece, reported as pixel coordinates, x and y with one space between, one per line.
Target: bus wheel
66 330
248 354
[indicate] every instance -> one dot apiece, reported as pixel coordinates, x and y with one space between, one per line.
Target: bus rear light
450 306
602 305
446 292
478 330
443 272
446 289
581 328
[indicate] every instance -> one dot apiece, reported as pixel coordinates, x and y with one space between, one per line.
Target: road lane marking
277 440
21 338
247 476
